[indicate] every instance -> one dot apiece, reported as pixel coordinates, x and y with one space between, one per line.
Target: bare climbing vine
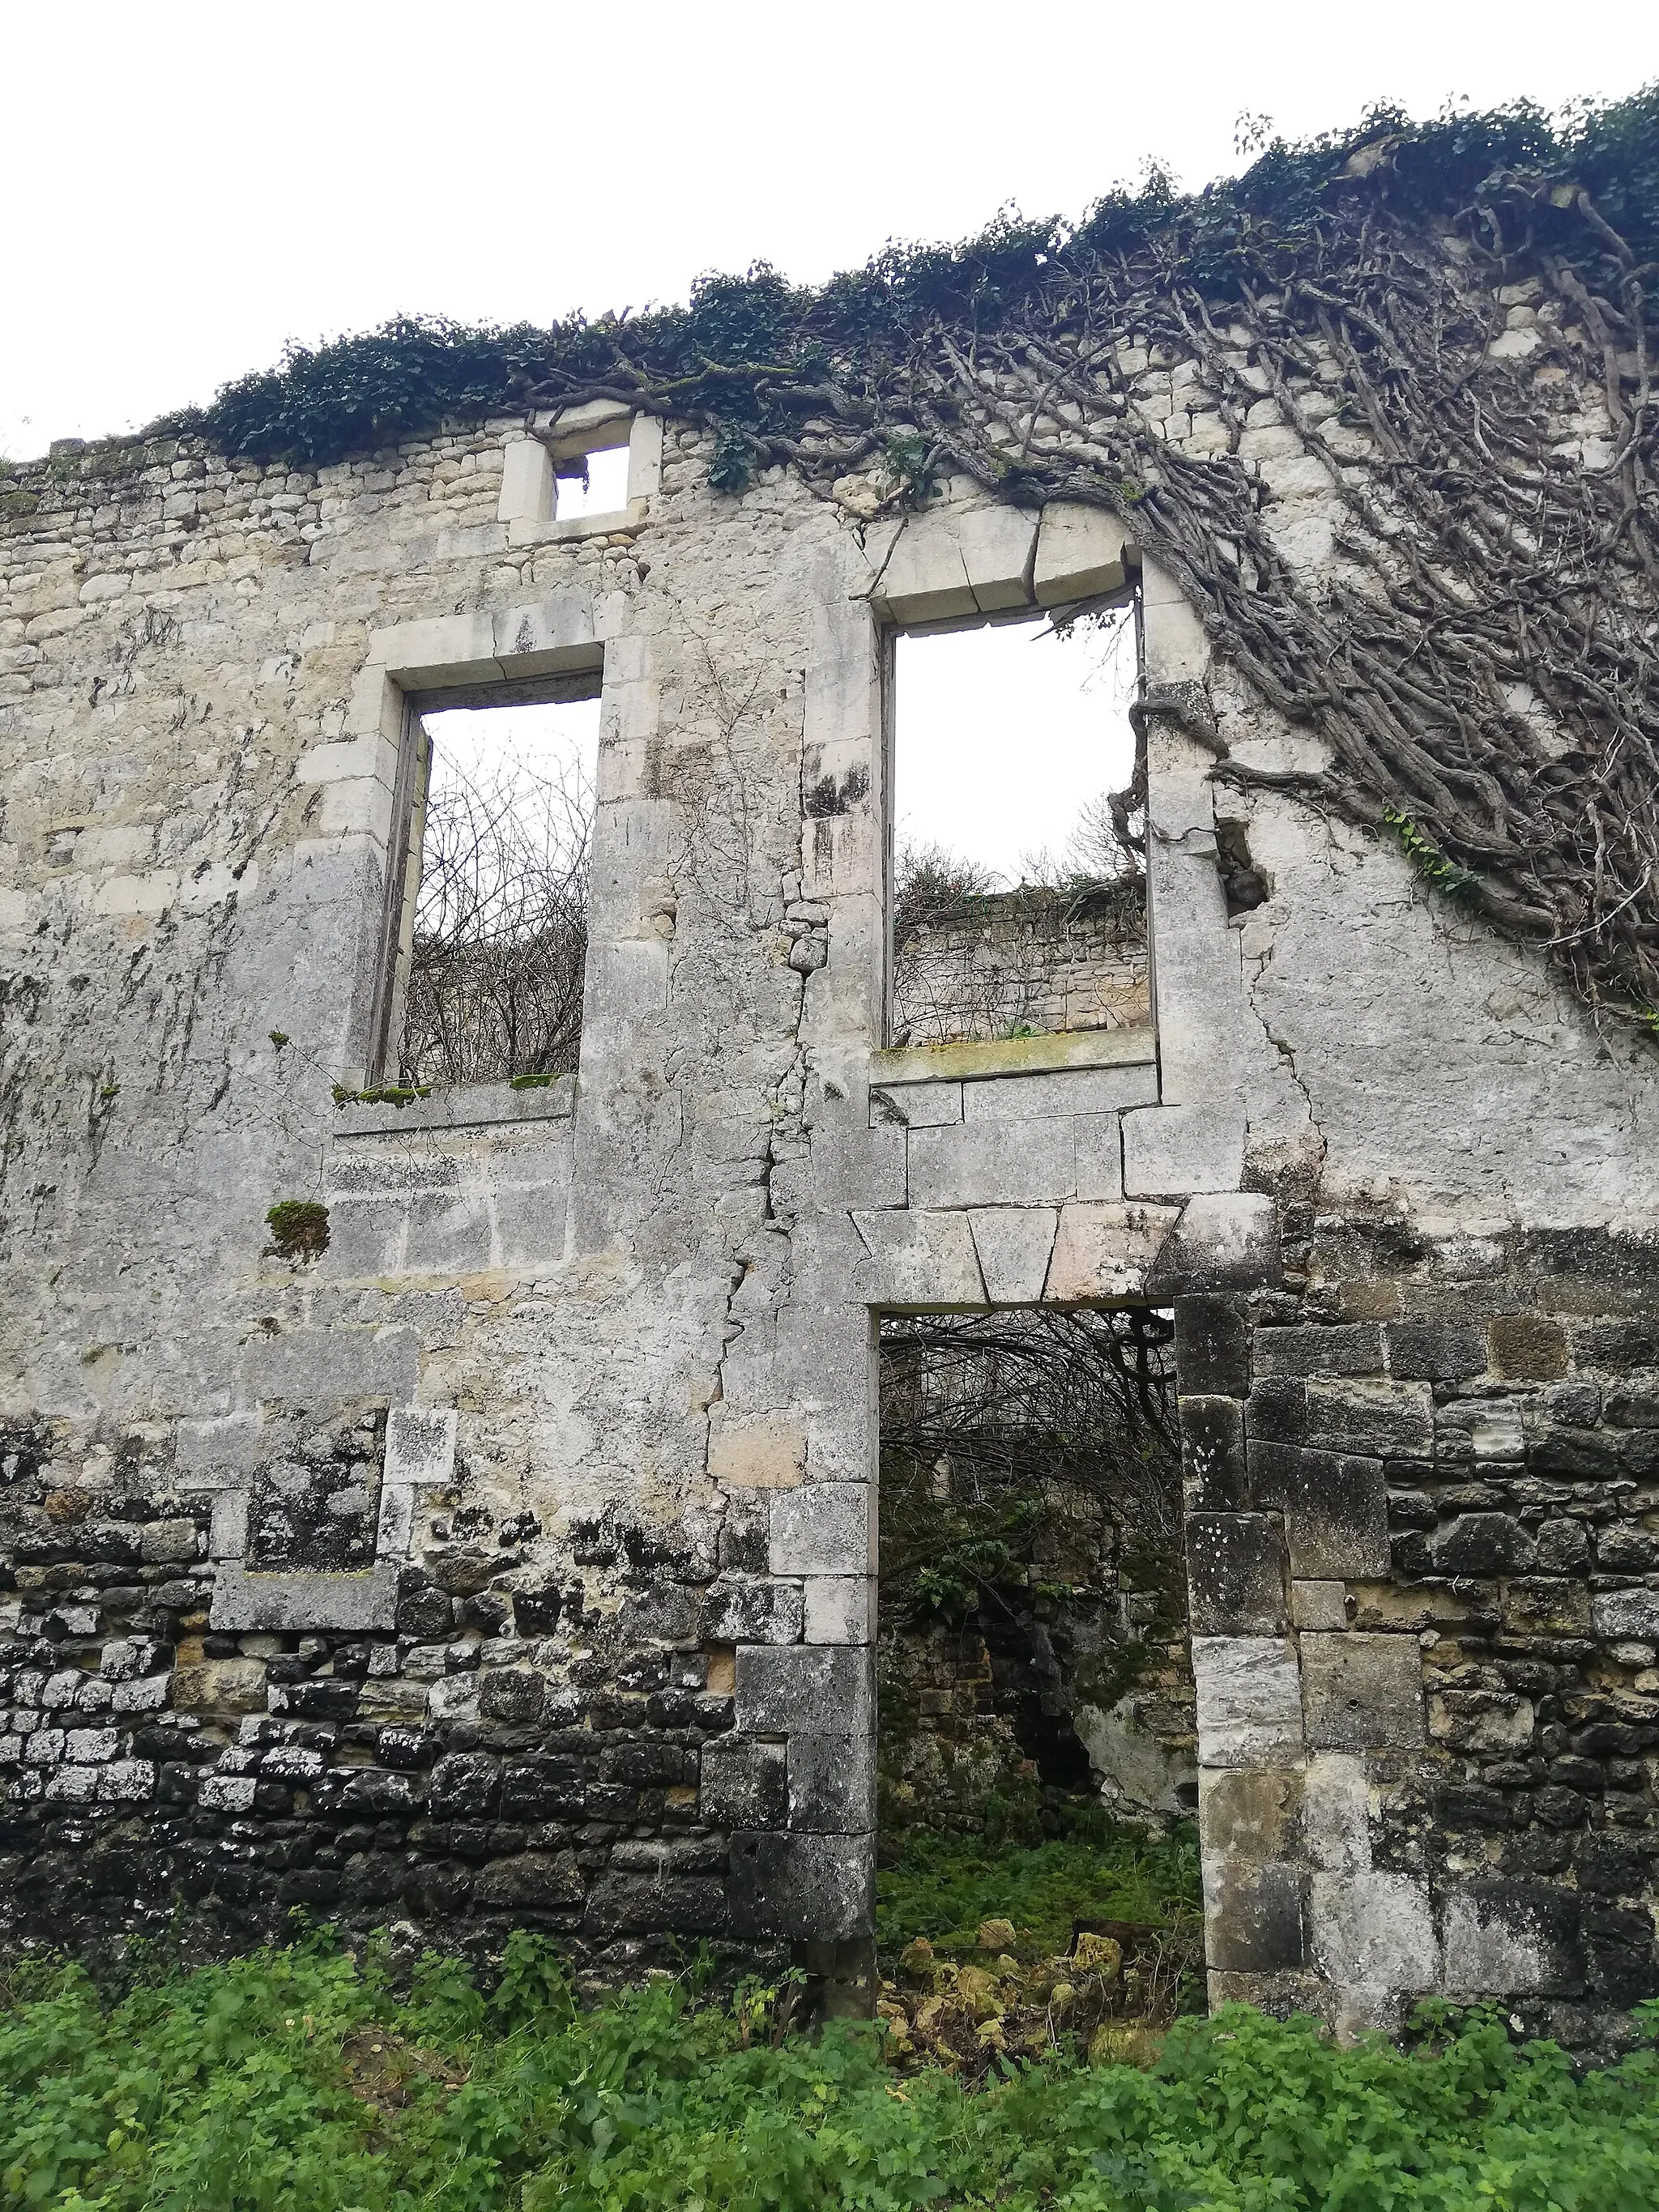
1450 324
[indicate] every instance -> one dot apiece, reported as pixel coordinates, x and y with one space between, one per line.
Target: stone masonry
511 1562
1030 959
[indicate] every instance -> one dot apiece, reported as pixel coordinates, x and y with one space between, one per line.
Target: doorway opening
1037 1762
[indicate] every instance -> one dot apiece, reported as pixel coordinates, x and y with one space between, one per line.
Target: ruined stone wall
1020 961
429 1579
595 1362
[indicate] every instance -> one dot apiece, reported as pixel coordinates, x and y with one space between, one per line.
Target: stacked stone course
513 1561
1452 1512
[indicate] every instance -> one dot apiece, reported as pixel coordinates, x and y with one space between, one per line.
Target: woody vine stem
1480 662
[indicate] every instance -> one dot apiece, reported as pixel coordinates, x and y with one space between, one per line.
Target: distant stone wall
1022 960
998 1722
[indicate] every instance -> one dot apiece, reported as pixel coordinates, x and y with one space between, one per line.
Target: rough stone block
530 1881
823 1688
920 1260
1249 1702
448 1235
1276 1411
1103 1251
742 1611
1374 1929
1547 1605
855 1164
656 1903
1528 1347
1319 1605
1063 1092
1483 1544
1626 1614
1014 1244
997 545
1099 1139
1435 1351
366 1236
1213 1347
1212 1454
743 1784
1363 1692
1254 1917
800 1884
1221 1242
420 1444
530 1224
464 1786
1355 1348
916 1105
1512 1939
535 1789
1235 1574
825 1528
1253 1817
287 1602
832 1782
1389 1419
225 1686
1170 1150
993 1163
1079 554
526 492
755 1454
924 578
323 1368
1336 1506
840 1609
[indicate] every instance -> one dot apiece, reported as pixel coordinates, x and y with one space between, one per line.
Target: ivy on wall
1479 656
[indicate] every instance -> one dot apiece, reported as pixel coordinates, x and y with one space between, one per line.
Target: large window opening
495 924
1018 898
1037 1765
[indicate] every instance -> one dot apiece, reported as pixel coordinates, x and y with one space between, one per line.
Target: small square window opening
590 483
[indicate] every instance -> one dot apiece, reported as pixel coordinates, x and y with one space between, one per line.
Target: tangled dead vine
1481 658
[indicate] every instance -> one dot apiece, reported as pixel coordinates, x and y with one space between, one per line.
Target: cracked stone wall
511 1562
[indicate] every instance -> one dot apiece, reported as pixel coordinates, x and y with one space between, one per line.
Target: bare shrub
500 925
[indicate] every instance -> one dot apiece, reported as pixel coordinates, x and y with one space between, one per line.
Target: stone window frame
529 498
420 1453
966 567
525 656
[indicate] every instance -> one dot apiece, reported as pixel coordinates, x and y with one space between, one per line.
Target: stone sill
461 1106
1032 1055
526 530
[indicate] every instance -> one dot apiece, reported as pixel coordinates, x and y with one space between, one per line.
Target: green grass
231 2089
945 1886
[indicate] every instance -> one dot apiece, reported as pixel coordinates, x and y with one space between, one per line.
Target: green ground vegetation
945 1887
301 2080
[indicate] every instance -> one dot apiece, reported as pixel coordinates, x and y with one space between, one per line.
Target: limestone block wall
511 1561
1022 960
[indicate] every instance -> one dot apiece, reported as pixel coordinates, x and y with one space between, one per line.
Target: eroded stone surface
512 1562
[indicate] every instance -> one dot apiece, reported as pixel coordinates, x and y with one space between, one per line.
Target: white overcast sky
190 186
968 703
